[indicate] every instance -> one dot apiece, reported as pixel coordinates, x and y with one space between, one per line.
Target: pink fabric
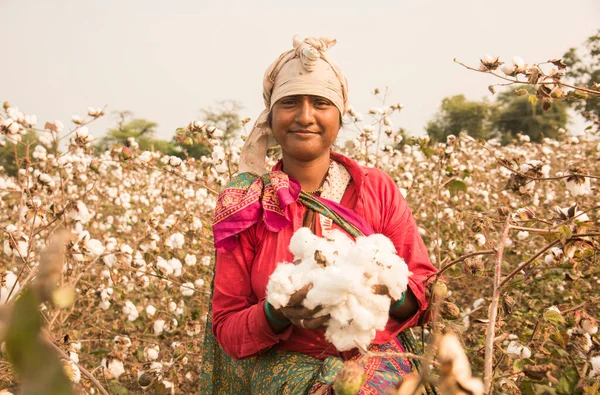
239 322
238 208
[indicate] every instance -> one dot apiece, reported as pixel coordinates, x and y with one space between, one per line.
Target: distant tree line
517 111
225 116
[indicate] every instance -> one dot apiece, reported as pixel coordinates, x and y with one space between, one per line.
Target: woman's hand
406 309
300 315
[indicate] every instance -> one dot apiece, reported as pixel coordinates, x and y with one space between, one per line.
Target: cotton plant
343 275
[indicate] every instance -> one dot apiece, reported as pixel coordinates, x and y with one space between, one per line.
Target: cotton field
134 291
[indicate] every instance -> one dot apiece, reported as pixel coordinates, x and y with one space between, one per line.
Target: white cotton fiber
280 287
381 242
342 273
302 242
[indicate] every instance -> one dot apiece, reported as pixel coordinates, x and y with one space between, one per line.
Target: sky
167 60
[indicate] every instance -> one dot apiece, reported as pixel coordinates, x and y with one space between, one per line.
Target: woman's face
305 126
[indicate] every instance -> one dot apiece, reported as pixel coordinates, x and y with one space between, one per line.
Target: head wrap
304 70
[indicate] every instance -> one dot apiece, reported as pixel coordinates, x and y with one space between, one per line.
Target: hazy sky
165 60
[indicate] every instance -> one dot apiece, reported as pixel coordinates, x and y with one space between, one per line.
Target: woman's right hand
300 315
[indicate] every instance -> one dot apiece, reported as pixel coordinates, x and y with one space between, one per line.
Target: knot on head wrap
309 50
303 70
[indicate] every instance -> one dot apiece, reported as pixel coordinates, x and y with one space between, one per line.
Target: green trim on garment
271 318
399 302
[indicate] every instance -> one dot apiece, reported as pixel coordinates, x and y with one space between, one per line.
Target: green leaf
39 368
561 338
456 185
553 317
559 352
568 381
530 388
518 365
565 234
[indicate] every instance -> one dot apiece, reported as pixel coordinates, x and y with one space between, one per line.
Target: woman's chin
306 153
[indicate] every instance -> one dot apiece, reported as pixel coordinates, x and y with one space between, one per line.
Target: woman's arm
240 324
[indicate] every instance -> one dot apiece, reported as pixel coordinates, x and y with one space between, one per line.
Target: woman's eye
323 103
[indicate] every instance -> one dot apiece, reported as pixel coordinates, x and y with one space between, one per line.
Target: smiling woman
248 339
305 127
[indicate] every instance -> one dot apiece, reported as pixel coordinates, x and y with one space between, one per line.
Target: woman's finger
300 312
311 323
316 323
297 298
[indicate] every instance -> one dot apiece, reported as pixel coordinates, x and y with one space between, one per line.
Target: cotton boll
363 318
364 251
393 274
517 350
379 306
151 352
342 313
329 250
595 361
348 337
301 243
381 242
280 287
331 285
343 242
130 310
176 266
158 327
342 275
301 273
150 310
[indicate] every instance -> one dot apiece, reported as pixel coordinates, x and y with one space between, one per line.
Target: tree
225 117
523 114
456 115
584 67
23 150
141 130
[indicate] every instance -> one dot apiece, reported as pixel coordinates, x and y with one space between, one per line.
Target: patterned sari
246 199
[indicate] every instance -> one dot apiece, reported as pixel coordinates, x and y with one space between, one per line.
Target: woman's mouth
303 132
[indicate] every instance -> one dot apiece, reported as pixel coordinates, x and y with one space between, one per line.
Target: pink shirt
241 275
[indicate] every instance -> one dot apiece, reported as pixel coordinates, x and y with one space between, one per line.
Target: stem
489 341
526 263
438 247
81 368
579 306
380 122
535 230
517 81
460 259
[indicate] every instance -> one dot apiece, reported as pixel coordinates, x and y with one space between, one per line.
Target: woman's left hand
300 315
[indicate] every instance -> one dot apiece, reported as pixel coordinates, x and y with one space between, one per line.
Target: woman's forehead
312 97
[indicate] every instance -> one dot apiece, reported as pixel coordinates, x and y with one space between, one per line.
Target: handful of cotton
344 275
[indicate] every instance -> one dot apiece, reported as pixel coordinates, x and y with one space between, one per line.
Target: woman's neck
310 175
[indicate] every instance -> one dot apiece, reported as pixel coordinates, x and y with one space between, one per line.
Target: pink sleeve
399 225
239 322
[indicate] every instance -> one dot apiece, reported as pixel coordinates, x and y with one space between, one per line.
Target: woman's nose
305 112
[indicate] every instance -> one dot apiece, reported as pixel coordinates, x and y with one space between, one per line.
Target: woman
284 350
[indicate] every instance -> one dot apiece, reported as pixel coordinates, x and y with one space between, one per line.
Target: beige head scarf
304 70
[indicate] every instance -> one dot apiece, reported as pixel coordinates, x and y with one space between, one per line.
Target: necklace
318 190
